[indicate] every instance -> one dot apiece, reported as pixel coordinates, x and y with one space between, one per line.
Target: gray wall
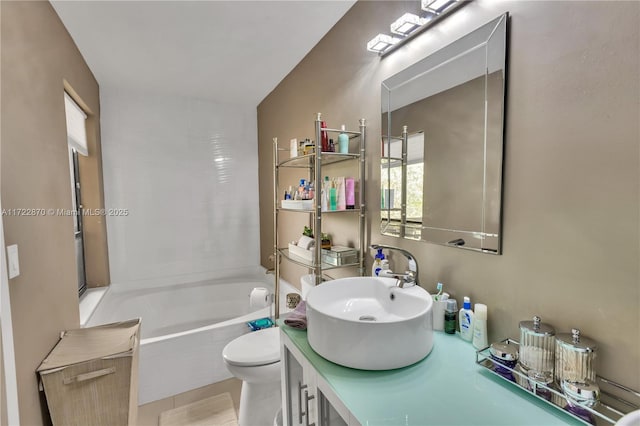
571 179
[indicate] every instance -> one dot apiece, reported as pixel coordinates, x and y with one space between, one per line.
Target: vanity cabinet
298 389
307 399
446 388
315 164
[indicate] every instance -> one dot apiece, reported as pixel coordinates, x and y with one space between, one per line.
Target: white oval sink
370 324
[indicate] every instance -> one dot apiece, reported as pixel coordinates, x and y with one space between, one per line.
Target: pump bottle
379 264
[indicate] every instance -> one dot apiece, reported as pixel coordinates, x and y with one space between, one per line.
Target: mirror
442 144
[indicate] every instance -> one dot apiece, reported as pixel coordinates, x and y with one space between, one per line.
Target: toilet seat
253 349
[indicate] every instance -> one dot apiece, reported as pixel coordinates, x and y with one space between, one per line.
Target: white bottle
480 326
465 318
324 200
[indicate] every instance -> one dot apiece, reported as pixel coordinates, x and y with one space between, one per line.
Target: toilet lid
256 348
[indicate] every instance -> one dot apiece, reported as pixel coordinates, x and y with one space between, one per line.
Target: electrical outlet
12 259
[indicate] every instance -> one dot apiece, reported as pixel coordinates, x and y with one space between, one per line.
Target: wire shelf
310 264
308 160
614 398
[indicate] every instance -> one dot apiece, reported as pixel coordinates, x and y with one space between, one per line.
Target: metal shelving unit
315 163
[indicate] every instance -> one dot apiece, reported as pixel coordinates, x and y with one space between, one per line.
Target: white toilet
254 358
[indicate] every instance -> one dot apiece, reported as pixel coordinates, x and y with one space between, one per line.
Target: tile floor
148 413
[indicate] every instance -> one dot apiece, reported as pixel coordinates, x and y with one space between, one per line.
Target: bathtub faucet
410 277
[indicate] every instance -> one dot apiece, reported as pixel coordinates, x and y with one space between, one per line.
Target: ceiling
229 51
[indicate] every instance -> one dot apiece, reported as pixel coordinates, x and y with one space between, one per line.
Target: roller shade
76 126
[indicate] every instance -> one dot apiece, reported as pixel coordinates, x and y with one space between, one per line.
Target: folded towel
298 318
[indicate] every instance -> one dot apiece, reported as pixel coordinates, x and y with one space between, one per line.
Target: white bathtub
184 327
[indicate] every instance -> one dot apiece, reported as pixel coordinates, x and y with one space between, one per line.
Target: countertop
445 388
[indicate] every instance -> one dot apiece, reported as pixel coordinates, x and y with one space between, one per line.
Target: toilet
254 358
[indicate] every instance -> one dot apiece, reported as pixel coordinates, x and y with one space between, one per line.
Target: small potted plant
307 232
326 241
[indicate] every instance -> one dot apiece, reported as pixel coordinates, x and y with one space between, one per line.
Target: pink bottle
350 184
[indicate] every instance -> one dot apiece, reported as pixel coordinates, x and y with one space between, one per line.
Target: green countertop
445 388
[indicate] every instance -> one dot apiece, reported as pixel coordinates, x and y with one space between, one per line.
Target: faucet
410 277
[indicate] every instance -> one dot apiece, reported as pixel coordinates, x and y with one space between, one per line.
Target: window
77 142
76 126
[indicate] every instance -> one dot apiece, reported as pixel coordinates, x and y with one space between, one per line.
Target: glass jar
575 358
537 350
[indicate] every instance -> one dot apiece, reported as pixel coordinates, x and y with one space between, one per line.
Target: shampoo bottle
350 188
480 326
466 320
343 141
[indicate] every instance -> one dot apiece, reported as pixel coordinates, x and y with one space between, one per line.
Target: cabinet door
331 409
328 416
298 390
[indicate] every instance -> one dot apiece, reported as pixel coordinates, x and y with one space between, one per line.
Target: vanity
445 388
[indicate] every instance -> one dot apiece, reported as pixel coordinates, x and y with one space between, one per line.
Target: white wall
187 171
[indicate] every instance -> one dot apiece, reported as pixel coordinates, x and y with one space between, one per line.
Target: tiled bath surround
186 171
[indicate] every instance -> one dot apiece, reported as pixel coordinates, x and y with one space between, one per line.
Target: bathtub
185 326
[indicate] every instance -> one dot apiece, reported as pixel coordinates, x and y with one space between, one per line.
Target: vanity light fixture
410 25
381 42
436 6
407 23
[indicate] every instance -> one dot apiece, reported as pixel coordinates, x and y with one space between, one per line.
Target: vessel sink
369 323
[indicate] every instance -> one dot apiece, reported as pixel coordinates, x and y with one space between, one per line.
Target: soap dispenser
343 141
377 263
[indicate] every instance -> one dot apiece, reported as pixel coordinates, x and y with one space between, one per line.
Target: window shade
76 126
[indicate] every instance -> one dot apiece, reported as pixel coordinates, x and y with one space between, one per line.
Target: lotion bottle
350 184
343 141
480 326
466 320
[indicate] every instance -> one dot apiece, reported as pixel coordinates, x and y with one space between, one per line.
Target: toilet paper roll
306 242
259 297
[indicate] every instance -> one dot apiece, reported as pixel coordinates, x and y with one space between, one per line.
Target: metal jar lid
587 393
537 327
576 342
504 351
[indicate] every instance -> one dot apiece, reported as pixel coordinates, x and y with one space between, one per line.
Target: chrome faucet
410 277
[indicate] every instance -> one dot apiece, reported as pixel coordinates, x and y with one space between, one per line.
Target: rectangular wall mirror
442 144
